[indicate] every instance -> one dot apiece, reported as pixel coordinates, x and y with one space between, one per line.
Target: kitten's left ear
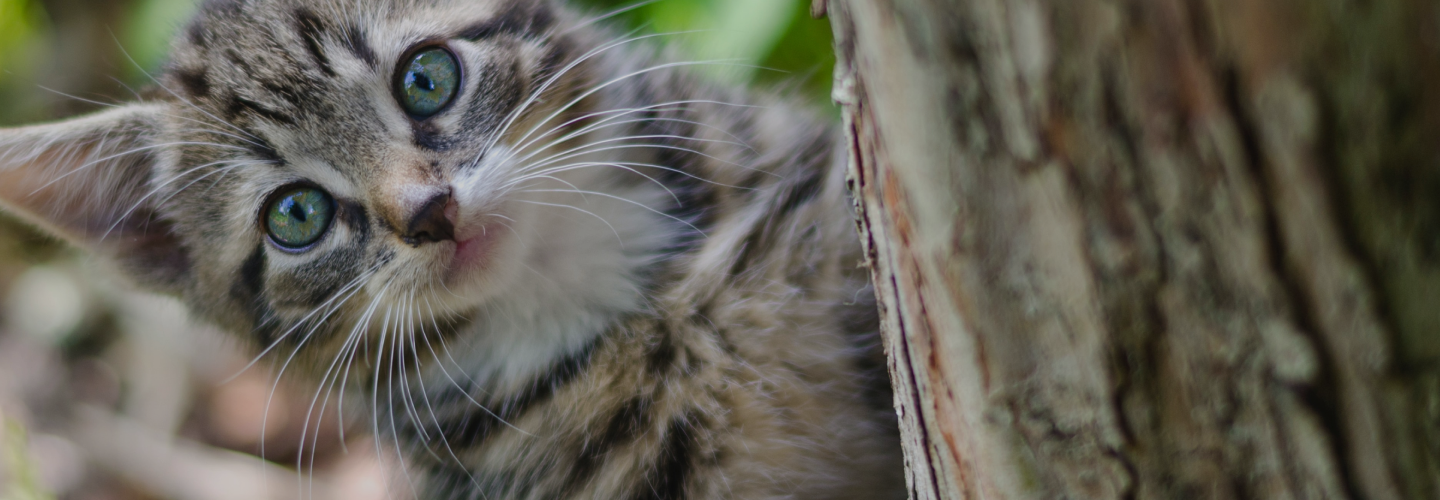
89 180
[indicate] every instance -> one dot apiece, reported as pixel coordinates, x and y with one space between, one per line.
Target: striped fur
669 302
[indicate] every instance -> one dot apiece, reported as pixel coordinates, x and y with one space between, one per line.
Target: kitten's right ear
89 180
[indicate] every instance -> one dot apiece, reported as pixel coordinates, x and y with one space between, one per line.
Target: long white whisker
625 165
361 328
359 280
613 81
179 97
441 338
350 340
390 403
271 398
606 16
375 395
592 214
620 113
621 198
535 96
169 115
406 396
140 149
439 429
587 148
232 164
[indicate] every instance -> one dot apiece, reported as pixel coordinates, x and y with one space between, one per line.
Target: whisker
603 17
177 96
592 214
625 164
582 149
278 376
98 161
622 112
390 403
359 280
473 383
408 330
350 340
613 81
375 396
233 164
138 98
626 200
535 96
439 429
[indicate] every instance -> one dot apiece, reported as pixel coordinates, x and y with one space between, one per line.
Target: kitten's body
672 310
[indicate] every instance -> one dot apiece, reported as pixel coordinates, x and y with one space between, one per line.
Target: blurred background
106 393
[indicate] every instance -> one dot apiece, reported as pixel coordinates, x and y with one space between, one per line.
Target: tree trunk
1153 249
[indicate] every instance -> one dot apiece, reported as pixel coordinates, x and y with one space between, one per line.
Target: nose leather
419 213
428 222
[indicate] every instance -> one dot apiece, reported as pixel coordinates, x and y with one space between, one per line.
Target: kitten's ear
89 180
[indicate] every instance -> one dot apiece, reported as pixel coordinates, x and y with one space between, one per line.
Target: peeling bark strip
1153 249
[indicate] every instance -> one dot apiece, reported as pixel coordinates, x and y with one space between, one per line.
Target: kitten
545 261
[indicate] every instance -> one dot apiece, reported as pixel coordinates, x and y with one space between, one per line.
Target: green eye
428 82
299 217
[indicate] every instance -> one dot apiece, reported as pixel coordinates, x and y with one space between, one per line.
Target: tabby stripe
517 19
195 82
249 288
240 105
475 427
675 464
428 135
795 194
695 195
309 26
628 422
354 215
359 45
559 53
799 192
263 150
451 481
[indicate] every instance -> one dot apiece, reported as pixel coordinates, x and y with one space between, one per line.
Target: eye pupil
424 83
297 213
430 79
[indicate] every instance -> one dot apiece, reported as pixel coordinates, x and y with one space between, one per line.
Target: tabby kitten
542 260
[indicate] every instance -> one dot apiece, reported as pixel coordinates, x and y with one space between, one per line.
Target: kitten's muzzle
432 222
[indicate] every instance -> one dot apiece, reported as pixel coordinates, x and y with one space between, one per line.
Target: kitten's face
327 169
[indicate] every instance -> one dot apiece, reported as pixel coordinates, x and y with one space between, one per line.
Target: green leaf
20 21
15 464
148 29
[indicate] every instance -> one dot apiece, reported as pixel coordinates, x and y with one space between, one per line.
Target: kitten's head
316 171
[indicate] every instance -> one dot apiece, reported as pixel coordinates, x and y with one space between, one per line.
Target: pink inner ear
52 187
86 180
78 177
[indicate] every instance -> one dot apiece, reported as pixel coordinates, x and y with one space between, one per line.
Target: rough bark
1153 249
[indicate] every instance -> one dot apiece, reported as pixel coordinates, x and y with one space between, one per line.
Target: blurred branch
181 469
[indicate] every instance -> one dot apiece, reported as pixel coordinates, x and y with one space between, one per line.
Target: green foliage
20 21
777 39
148 28
15 465
770 42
